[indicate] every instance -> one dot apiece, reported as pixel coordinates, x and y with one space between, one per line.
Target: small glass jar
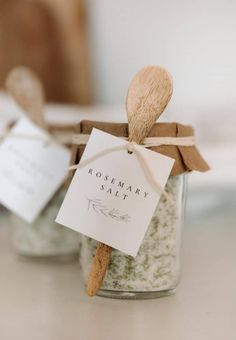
155 271
44 238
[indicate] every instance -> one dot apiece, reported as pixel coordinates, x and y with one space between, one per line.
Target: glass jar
155 271
44 238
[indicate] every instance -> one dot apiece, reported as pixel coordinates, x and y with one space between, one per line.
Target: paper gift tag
31 169
110 199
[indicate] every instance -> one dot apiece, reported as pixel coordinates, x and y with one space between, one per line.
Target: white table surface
46 301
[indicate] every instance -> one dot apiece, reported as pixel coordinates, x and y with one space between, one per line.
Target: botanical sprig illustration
98 207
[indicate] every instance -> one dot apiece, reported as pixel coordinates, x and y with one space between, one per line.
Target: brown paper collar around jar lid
187 158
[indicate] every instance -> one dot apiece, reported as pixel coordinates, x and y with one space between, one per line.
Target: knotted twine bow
131 147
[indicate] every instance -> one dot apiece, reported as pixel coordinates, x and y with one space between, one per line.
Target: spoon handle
99 267
103 252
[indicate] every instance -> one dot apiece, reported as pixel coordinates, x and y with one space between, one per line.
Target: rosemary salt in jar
155 271
44 238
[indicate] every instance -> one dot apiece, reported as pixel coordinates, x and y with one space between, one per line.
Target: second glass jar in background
44 238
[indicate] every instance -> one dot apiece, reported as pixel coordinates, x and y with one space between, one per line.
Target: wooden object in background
26 89
49 37
148 95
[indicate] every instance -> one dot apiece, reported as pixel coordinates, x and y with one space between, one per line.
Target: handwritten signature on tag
99 208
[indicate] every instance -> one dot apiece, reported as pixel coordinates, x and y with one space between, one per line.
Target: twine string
47 139
149 142
131 147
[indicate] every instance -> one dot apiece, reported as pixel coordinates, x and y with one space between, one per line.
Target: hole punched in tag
130 147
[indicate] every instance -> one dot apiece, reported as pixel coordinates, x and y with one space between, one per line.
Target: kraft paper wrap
187 158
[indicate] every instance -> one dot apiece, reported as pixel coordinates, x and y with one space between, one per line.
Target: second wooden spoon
27 90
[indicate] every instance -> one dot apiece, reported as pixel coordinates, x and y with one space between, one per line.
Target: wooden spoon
148 95
27 90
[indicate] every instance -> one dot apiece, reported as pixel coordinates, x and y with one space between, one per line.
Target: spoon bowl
27 90
148 95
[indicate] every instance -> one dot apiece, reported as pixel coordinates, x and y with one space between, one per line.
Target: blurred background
86 53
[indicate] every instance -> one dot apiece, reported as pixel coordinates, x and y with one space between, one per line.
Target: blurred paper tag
110 199
32 168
